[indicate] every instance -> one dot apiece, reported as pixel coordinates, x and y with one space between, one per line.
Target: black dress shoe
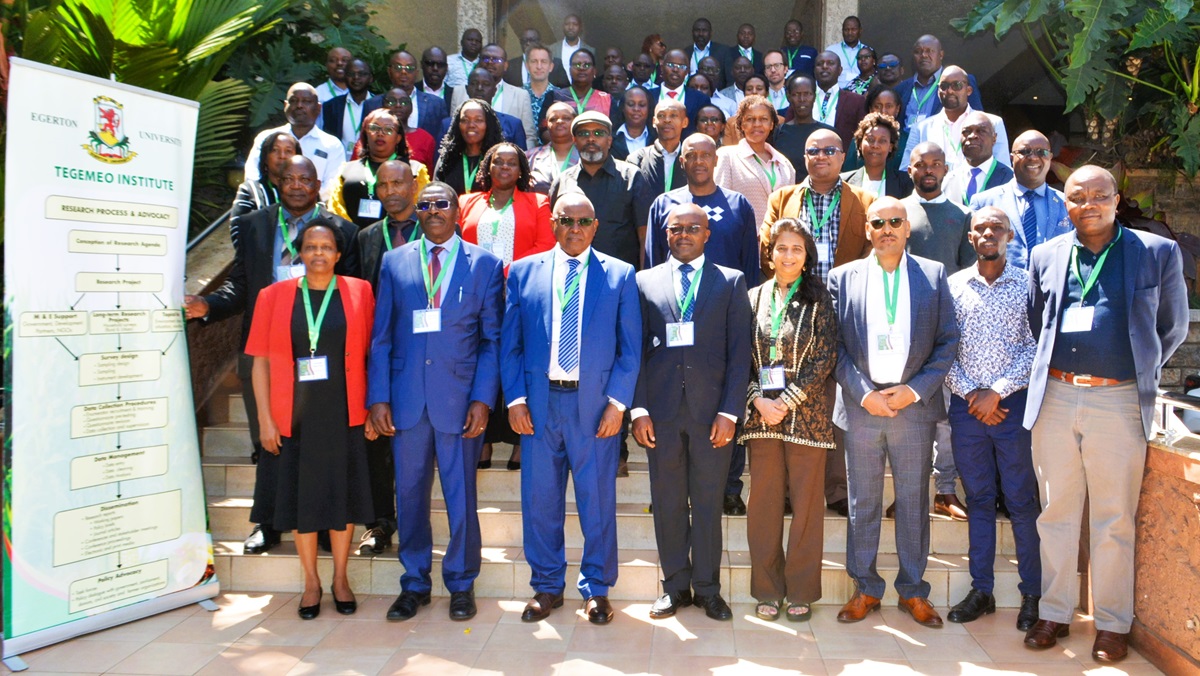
714 606
260 540
513 465
343 607
405 606
1029 612
667 604
375 540
323 541
311 612
540 605
734 505
841 507
462 605
484 464
599 610
975 605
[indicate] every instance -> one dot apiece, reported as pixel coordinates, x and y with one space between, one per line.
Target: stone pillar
474 14
835 11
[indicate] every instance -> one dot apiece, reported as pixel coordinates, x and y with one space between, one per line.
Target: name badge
681 334
1078 319
888 342
312 368
917 120
427 321
823 252
771 378
286 272
370 209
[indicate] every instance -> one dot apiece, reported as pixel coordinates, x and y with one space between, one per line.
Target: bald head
1031 159
670 119
823 168
687 231
300 186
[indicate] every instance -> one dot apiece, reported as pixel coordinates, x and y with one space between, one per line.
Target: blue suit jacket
1158 310
905 88
442 372
512 128
1008 198
610 343
933 341
431 110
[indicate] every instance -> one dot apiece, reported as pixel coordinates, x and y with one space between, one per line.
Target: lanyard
882 181
777 315
565 163
1094 275
329 86
819 223
565 295
768 170
689 299
496 96
948 137
921 101
467 65
314 326
356 124
791 55
825 104
668 171
747 52
890 298
580 107
433 286
495 223
777 97
287 235
387 236
843 47
980 186
468 174
371 175
697 56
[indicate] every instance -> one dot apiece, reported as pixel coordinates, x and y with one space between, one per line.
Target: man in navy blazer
570 352
428 110
1108 307
674 87
433 374
897 340
690 394
918 94
1037 212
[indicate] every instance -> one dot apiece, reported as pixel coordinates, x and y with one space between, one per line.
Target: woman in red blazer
512 222
310 339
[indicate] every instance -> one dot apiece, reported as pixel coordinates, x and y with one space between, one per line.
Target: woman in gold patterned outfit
788 428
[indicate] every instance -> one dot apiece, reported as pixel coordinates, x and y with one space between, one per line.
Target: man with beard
980 170
505 98
945 127
775 70
303 110
517 72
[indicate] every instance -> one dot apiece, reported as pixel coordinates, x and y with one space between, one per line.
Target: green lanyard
668 171
314 326
433 286
495 223
1094 275
928 92
580 107
882 181
791 55
567 162
747 52
329 86
819 224
768 170
891 298
689 299
468 174
777 315
287 234
387 236
982 186
565 295
843 47
356 124
371 175
496 96
467 65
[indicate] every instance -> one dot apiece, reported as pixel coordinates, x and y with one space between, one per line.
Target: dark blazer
431 110
620 147
693 101
649 161
512 128
933 341
955 183
851 108
442 372
253 266
333 114
895 183
558 76
371 247
711 373
1156 295
512 74
716 50
447 93
756 58
905 89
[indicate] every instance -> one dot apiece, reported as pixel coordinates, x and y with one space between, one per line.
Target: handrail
221 220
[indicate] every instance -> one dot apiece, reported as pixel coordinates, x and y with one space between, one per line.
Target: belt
565 384
1084 380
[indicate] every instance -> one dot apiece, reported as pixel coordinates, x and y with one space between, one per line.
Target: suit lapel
595 284
707 279
918 300
462 263
664 288
544 279
858 289
1133 257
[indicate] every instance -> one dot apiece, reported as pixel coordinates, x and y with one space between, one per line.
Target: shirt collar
304 216
1040 191
667 153
807 183
937 75
696 264
561 257
936 200
1075 236
644 135
831 90
702 49
1012 274
903 260
983 169
682 91
447 245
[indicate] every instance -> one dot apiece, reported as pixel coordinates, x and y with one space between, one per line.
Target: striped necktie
568 327
1029 221
684 285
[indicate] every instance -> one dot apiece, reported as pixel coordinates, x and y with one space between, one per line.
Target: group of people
824 267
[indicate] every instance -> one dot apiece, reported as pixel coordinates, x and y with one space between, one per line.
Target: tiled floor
260 634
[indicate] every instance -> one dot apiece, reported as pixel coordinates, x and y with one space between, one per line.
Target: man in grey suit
897 339
1108 306
690 393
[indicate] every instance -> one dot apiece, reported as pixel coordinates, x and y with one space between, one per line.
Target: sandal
768 610
803 612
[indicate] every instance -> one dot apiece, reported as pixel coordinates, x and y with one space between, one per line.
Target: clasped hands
887 402
522 422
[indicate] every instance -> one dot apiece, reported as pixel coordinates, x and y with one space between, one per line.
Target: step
504 574
236 409
226 440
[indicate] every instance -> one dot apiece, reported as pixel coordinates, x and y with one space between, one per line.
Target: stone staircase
229 484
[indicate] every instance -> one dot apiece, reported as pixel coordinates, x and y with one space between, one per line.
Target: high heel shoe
343 607
514 464
311 612
484 464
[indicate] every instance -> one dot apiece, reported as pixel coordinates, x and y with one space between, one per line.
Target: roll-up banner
104 511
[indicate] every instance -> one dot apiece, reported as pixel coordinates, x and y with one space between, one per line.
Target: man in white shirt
507 99
945 127
703 46
303 110
459 66
776 71
847 50
335 66
434 64
572 42
979 170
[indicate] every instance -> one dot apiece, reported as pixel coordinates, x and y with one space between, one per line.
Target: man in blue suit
1036 211
897 340
1108 306
428 110
434 371
571 347
918 94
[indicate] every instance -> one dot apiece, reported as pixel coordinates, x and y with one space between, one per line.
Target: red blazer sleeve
533 233
470 208
359 302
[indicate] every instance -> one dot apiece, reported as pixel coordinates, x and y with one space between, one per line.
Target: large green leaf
1011 13
1186 142
222 116
1111 99
1157 27
1100 20
1178 8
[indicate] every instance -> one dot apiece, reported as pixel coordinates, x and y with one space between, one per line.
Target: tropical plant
1131 66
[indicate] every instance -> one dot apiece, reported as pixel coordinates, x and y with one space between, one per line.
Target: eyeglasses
594 133
380 129
878 223
433 64
394 103
956 86
1034 152
677 230
399 67
888 65
428 205
773 66
568 222
829 151
675 66
582 66
491 59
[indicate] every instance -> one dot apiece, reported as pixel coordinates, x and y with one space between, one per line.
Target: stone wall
1186 359
1172 193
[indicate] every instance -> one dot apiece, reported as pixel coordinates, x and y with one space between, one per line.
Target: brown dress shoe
1110 646
921 610
1044 634
540 605
857 607
947 504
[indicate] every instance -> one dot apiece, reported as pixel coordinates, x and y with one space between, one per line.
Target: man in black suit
433 74
342 116
658 162
690 392
702 45
516 74
674 80
428 110
265 252
746 37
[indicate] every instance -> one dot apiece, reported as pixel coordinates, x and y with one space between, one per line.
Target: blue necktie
1029 221
684 285
568 327
973 184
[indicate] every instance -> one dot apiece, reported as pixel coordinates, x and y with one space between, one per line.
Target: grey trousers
1089 441
945 473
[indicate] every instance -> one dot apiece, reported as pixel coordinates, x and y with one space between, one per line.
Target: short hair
812 289
444 186
538 47
484 180
339 238
583 50
716 108
872 120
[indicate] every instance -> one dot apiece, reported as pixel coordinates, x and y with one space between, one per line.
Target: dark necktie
1029 221
973 184
568 327
685 283
435 269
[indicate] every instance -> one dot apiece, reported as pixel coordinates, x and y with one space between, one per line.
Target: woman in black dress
474 129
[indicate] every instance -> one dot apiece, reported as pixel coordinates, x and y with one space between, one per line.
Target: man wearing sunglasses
1037 211
428 110
570 352
917 92
945 127
889 71
433 74
897 340
434 373
506 98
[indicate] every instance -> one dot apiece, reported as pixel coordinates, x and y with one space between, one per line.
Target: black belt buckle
564 384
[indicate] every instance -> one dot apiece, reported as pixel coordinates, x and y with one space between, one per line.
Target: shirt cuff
1000 386
516 402
732 418
636 413
863 401
916 397
620 407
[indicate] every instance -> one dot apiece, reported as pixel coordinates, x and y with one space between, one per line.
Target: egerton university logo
108 142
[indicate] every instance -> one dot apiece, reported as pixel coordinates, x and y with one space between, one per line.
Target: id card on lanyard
312 367
1078 318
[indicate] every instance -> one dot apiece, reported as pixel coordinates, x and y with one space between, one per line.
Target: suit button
428 362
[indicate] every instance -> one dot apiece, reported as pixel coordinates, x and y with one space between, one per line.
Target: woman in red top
309 339
511 222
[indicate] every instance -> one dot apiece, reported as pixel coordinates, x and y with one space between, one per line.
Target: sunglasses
594 133
888 65
878 223
491 59
677 230
956 86
675 66
428 205
829 151
568 222
403 68
380 129
1033 152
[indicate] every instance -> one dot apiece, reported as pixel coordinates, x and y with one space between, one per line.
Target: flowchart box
111 417
52 324
127 282
107 368
62 208
121 465
111 527
119 321
167 321
117 585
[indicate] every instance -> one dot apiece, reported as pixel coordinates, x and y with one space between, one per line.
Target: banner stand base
206 604
15 663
